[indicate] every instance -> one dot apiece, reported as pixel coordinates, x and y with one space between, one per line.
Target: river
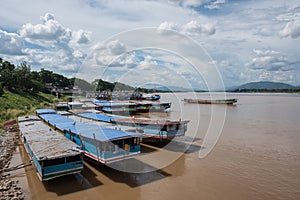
256 156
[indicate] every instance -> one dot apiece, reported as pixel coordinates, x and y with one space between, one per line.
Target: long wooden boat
152 130
155 130
130 107
148 97
103 144
116 107
211 101
52 154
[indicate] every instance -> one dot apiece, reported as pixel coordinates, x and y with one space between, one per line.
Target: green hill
13 105
264 86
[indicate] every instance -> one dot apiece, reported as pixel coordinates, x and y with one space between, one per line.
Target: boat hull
216 101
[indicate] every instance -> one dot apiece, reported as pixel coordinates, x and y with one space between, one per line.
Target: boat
51 153
151 106
155 130
116 107
211 101
149 97
152 130
152 97
130 107
102 144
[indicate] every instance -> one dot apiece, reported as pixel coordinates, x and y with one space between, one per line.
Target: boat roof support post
96 146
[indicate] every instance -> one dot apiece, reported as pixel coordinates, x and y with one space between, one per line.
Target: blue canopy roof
97 116
102 133
45 111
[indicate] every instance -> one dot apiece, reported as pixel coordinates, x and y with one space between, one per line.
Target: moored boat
149 97
153 130
130 107
103 144
51 153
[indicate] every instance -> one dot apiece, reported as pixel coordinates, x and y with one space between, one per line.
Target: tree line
20 78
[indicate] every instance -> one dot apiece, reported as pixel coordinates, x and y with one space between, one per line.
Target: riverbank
9 188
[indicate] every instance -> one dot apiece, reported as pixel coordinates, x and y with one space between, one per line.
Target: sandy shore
9 188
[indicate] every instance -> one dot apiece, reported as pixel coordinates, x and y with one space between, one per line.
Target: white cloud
79 54
104 54
270 60
47 17
276 76
194 28
129 60
81 36
148 64
115 47
49 31
62 47
10 43
291 29
215 4
194 3
167 26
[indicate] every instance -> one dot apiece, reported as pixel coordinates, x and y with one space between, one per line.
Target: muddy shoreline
9 188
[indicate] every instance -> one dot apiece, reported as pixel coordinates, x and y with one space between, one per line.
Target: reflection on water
256 157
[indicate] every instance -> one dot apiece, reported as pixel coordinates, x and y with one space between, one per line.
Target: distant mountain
262 85
173 89
161 88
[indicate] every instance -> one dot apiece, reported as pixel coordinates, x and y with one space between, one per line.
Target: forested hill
21 79
22 91
265 86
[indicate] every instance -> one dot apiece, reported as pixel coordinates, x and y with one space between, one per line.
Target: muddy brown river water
257 156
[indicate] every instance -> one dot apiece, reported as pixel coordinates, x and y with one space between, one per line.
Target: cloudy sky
184 43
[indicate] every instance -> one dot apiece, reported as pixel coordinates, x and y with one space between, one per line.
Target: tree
7 74
104 85
22 76
36 86
82 84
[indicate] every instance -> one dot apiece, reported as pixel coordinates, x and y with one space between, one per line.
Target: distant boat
211 101
153 97
148 97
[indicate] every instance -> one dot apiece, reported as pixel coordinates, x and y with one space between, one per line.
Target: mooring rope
19 166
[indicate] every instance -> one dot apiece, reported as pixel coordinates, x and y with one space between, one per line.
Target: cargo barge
51 153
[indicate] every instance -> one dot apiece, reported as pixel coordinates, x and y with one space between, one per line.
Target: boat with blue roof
152 130
130 107
100 143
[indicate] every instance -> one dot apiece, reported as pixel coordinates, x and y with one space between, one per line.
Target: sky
184 43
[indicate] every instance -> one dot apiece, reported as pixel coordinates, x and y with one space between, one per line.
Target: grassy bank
13 105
